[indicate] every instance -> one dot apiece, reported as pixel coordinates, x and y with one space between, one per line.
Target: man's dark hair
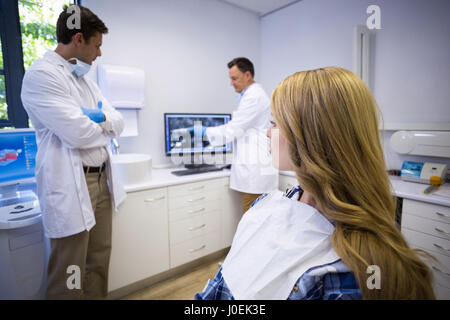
89 23
243 64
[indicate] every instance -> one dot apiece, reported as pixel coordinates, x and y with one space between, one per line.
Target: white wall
411 54
184 47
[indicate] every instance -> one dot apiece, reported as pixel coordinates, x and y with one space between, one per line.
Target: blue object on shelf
411 169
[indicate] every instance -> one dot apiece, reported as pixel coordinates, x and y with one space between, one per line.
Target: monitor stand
198 165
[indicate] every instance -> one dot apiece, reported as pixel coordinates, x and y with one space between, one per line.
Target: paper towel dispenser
123 87
422 143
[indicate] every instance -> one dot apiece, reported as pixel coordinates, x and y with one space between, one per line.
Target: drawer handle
442 215
440 247
442 231
195 211
197 228
439 270
154 199
198 249
198 199
196 188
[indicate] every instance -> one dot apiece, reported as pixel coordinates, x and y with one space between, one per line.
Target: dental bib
276 242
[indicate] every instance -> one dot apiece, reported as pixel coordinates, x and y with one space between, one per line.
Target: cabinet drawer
194 200
427 210
200 225
429 226
196 187
194 210
427 242
442 293
150 198
441 269
194 249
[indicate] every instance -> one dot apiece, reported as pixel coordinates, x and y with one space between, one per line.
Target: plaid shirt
333 281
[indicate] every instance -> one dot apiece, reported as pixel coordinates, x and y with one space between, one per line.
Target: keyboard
186 172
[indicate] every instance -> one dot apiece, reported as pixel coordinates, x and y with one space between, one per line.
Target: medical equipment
180 141
17 155
24 249
422 143
423 172
184 136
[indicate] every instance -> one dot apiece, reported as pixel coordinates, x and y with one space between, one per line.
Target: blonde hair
329 118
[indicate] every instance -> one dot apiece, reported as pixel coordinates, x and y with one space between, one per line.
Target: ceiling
261 7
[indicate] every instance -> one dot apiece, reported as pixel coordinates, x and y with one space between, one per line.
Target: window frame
12 63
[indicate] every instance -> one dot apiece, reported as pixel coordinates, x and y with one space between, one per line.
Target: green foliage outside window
38 27
3 107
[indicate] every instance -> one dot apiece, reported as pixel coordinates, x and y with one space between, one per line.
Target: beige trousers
247 200
89 251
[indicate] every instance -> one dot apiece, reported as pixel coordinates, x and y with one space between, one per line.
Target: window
27 31
38 27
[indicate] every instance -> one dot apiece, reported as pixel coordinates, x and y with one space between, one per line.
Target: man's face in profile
239 79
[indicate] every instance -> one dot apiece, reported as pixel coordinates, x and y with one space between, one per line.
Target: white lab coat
52 100
251 170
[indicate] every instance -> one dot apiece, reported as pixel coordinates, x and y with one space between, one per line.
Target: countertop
163 178
403 189
409 190
414 191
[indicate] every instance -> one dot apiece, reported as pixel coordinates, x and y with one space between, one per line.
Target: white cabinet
286 182
159 229
427 227
140 238
195 213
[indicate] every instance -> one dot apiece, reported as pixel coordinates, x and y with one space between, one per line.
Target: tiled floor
180 287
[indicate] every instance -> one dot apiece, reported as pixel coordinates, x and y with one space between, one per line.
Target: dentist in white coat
74 124
252 172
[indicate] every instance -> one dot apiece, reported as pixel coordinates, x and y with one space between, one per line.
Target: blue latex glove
197 131
95 115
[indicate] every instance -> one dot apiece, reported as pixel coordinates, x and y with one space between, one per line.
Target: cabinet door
231 213
140 239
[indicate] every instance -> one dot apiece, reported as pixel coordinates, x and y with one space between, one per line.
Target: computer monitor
18 150
184 142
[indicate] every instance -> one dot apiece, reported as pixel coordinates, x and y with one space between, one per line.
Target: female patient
335 237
